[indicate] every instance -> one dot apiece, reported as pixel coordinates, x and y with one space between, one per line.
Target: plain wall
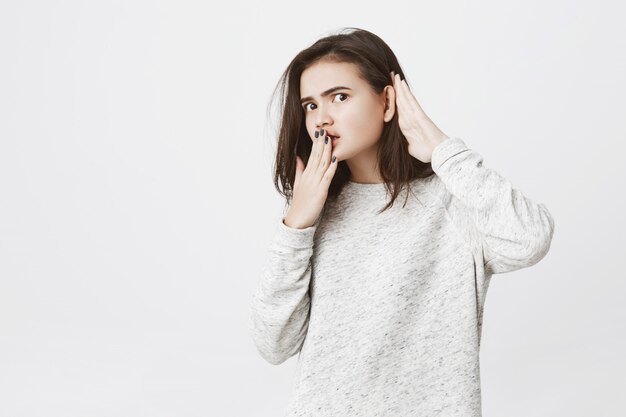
137 204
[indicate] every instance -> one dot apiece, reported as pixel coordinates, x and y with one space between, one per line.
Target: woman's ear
390 103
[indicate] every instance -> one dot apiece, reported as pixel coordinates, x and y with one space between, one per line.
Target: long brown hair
375 61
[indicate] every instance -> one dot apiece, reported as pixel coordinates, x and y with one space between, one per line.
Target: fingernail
326 140
334 158
322 132
317 134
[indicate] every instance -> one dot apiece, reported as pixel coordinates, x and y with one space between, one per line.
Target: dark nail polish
317 134
334 158
322 132
326 140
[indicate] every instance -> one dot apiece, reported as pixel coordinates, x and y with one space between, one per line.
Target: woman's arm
279 311
514 231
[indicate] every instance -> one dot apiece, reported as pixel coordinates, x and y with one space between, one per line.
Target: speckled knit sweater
385 310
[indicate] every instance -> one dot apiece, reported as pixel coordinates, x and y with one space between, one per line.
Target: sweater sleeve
514 232
279 311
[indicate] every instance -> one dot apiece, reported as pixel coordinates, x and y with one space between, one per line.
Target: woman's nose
323 117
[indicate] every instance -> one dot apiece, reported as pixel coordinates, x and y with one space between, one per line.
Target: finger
325 159
400 93
319 148
330 172
406 95
312 162
401 90
407 91
399 85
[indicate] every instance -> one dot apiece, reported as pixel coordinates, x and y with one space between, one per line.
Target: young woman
385 307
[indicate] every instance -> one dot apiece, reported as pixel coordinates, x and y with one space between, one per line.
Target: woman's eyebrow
325 93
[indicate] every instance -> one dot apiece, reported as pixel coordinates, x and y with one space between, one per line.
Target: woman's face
353 112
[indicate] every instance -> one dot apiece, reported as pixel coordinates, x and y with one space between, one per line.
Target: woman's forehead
324 75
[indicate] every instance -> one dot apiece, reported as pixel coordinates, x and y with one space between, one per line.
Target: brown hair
374 61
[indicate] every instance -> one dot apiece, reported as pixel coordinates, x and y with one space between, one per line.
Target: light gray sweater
386 310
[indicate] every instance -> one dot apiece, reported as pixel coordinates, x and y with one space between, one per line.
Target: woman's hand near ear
421 133
311 184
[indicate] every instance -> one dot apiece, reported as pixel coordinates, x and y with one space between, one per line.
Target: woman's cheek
360 122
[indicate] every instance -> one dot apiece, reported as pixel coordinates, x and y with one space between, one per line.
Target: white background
136 195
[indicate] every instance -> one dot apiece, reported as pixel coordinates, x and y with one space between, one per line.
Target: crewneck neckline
363 183
363 188
378 189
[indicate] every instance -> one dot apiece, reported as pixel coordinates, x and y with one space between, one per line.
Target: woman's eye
338 94
342 94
